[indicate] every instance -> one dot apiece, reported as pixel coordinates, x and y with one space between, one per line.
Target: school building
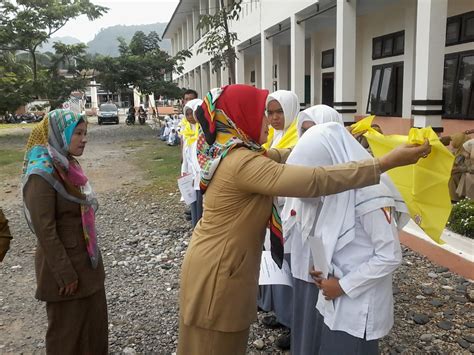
410 62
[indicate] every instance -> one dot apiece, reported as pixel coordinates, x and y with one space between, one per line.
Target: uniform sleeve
386 258
278 155
40 198
258 174
5 235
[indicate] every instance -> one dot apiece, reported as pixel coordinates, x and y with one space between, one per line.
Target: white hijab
289 103
318 114
333 217
192 105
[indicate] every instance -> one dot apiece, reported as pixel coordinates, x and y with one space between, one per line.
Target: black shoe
188 217
284 341
187 212
270 321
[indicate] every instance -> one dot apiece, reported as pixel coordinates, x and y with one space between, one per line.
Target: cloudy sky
132 12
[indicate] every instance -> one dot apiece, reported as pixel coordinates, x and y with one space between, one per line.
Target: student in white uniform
304 291
282 108
190 163
361 246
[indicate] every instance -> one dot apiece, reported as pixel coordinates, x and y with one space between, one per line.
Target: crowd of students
259 167
345 311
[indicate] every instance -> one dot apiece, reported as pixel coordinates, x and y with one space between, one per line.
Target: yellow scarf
288 140
189 134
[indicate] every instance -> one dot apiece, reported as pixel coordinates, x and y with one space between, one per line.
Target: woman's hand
69 290
330 286
406 154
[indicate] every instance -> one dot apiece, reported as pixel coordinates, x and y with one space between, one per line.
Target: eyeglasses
276 112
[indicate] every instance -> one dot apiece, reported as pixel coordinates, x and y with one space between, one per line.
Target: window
386 90
460 29
327 59
252 76
388 45
458 83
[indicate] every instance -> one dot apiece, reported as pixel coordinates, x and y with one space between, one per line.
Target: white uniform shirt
365 268
190 163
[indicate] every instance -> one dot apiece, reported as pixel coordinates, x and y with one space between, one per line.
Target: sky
132 12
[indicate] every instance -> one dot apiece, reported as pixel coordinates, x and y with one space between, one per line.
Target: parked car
108 113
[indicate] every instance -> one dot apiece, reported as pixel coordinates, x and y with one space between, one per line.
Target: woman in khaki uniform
219 276
60 209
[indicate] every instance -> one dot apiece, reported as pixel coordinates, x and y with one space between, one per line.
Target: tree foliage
26 24
142 65
219 41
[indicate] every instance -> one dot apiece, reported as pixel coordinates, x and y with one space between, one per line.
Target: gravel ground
143 240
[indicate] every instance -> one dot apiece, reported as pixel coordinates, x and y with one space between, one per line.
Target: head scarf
47 155
190 132
469 147
325 145
229 117
318 114
290 106
457 141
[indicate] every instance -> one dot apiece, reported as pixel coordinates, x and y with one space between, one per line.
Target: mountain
105 42
48 46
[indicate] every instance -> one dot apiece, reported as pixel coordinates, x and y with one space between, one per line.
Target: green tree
219 41
143 65
26 24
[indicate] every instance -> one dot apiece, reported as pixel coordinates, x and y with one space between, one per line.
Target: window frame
384 39
458 56
327 52
462 21
394 112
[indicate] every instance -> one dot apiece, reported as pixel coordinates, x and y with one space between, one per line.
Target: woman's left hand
331 288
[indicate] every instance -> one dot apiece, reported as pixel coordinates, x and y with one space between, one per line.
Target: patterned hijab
229 117
47 155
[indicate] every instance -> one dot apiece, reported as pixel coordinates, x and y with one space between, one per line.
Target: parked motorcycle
142 117
130 119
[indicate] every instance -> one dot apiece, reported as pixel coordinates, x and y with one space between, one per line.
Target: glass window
464 86
386 91
377 48
387 46
327 59
374 88
450 68
469 28
399 44
458 93
452 30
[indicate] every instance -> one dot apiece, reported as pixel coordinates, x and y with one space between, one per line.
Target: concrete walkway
457 253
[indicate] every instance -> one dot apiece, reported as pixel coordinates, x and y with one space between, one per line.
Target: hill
105 42
48 46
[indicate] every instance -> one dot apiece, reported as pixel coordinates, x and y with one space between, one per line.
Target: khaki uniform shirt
219 277
61 255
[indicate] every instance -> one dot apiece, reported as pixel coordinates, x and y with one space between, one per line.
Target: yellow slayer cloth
189 135
288 140
424 185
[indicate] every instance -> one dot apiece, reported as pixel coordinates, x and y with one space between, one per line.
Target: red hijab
244 105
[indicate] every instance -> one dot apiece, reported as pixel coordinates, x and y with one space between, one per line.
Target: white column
213 82
189 26
198 81
315 70
344 92
239 67
192 80
266 48
429 63
224 76
258 71
283 68
197 33
185 35
297 57
151 100
94 97
136 98
204 79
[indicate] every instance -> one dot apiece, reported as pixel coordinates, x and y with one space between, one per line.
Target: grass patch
161 162
15 125
11 161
